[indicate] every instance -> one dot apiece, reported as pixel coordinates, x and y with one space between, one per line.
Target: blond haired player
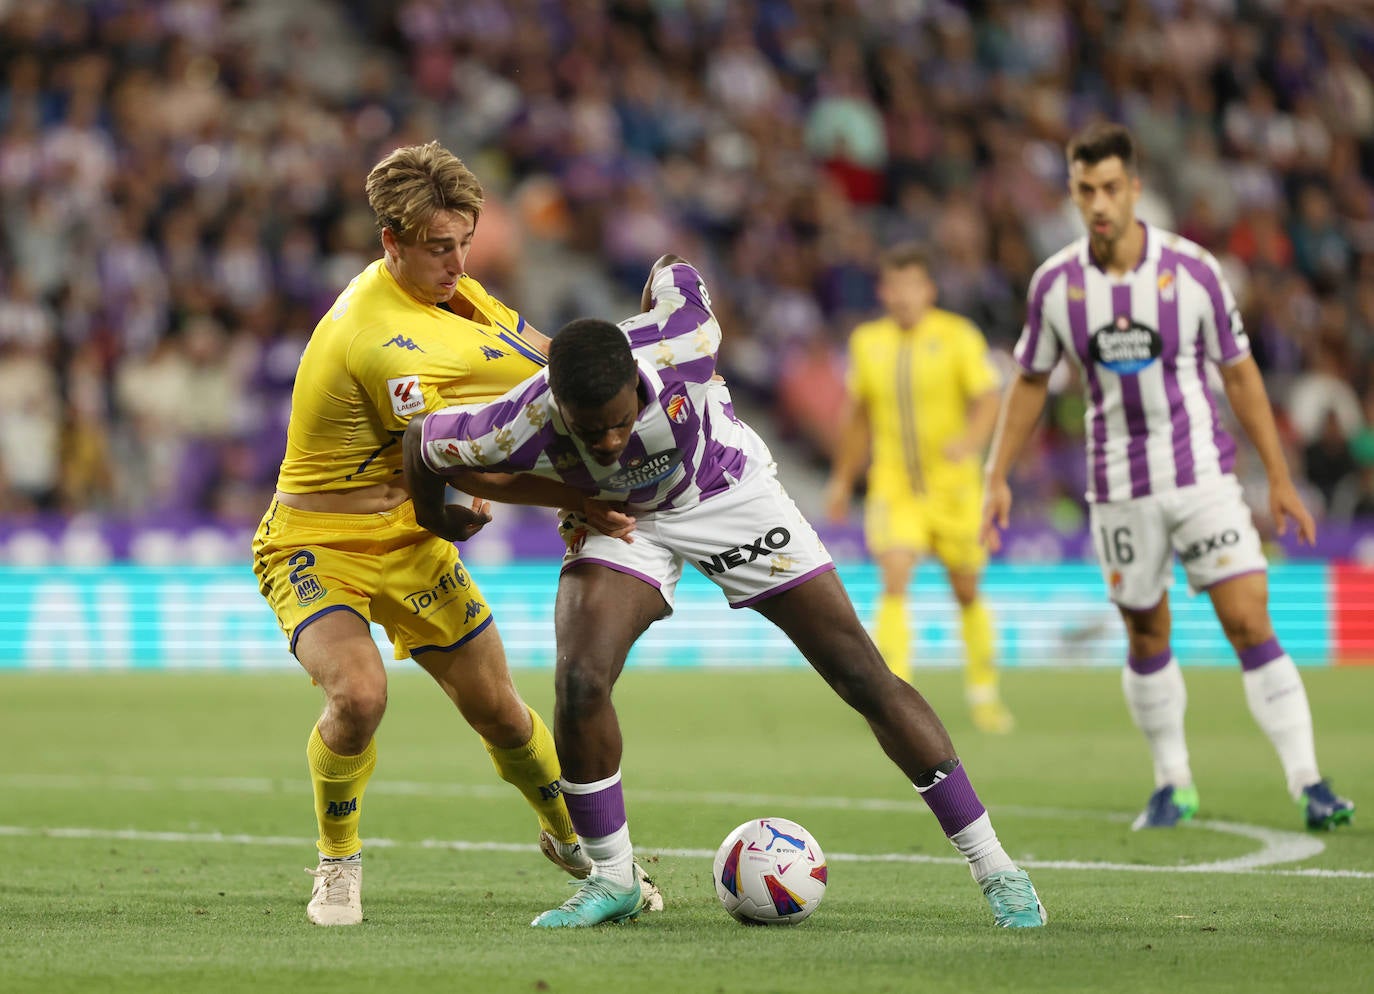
923 399
338 547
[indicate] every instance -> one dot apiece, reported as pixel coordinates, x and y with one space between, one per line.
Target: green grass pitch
155 827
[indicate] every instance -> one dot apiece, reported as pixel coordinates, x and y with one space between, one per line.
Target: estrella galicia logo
1208 545
405 343
445 590
342 809
490 352
307 586
1125 346
759 548
642 471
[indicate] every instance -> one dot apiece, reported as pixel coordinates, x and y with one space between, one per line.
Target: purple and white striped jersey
687 444
1141 341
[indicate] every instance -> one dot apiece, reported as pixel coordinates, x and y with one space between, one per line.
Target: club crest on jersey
678 409
1166 286
406 396
1125 346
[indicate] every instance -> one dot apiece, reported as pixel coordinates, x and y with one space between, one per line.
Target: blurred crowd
181 198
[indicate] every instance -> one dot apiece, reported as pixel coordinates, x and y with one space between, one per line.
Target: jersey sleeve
977 374
394 375
1038 348
1223 334
507 435
678 330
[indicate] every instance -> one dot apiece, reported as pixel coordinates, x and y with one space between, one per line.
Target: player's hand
996 513
1284 503
462 522
609 519
837 502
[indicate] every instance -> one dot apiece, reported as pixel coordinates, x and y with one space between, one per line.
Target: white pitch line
463 845
1276 847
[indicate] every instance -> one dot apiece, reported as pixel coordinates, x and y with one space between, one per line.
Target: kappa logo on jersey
405 343
643 470
491 352
1210 544
1125 346
760 548
678 409
406 396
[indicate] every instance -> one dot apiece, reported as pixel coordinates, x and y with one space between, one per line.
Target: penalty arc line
1276 846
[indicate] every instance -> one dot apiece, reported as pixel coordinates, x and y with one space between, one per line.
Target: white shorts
1207 524
751 541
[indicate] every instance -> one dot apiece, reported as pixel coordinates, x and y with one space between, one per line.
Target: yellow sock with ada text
339 785
533 769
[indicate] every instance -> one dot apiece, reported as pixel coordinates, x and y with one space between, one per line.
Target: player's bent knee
579 687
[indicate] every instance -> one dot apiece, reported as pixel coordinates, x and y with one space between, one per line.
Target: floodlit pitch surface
155 827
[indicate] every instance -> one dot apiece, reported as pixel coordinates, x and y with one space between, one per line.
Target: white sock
612 857
978 844
1278 701
1157 702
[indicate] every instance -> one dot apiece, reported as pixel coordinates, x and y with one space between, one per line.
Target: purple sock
1257 655
1150 664
597 814
954 801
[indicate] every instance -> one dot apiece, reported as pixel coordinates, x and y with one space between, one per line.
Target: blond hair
415 182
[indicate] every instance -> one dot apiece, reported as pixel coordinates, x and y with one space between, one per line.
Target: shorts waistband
282 515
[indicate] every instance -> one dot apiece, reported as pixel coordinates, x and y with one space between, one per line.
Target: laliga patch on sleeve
406 396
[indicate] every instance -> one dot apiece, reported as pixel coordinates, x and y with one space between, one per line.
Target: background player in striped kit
922 402
1140 311
635 414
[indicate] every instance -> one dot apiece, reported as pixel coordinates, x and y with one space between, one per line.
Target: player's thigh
1131 539
1214 534
751 541
476 677
601 610
955 523
896 522
339 653
427 600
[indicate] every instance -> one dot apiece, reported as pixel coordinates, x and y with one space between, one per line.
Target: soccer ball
770 871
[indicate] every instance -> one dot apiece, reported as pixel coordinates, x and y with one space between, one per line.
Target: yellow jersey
378 358
916 385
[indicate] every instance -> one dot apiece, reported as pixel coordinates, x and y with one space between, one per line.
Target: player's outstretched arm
1245 390
453 522
1021 408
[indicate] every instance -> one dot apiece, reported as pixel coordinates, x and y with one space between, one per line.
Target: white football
770 871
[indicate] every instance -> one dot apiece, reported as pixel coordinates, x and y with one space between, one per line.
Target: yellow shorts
946 523
382 567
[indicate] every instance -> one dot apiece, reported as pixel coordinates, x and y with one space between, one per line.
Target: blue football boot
1324 809
1167 807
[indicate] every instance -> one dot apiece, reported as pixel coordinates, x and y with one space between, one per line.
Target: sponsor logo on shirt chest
1125 346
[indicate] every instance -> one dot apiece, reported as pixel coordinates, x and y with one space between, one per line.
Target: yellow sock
894 634
533 770
980 674
339 784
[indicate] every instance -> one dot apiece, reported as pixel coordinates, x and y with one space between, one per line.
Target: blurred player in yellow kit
339 548
922 400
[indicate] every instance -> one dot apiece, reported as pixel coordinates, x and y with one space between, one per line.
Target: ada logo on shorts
1125 346
406 396
306 585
